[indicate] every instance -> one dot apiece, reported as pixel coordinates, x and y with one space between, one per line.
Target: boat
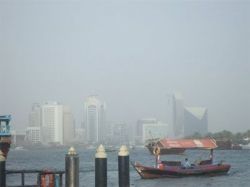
110 148
153 143
246 146
175 168
5 136
19 148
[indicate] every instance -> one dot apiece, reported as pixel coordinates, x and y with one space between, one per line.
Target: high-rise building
178 115
35 116
195 121
52 123
188 120
68 126
94 119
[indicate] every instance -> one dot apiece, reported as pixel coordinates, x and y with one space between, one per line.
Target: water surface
239 174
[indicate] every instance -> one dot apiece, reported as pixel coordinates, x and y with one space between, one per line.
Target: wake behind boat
175 168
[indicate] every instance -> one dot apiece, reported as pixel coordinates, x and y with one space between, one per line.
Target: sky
132 53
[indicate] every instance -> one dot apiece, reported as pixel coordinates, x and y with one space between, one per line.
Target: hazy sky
130 52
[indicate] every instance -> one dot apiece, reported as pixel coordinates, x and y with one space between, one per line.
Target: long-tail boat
175 168
5 136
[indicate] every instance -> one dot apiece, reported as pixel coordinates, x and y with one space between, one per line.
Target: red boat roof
189 143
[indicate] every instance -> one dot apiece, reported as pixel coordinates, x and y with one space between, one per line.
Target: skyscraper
188 120
178 115
195 121
52 123
35 116
33 131
94 119
68 126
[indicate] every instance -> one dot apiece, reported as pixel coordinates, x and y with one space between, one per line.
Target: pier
41 175
70 176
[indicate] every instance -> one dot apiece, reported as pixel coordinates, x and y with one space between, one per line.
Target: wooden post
100 167
72 168
2 170
60 180
123 167
22 176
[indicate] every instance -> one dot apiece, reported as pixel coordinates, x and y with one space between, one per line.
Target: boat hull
5 135
4 147
178 171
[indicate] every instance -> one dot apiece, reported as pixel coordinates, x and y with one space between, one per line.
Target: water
239 174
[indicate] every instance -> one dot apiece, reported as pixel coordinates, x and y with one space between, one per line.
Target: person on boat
211 156
186 163
156 152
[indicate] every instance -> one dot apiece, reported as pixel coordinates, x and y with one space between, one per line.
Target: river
239 174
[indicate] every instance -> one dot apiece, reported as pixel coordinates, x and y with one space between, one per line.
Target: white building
94 119
150 129
52 123
154 130
33 135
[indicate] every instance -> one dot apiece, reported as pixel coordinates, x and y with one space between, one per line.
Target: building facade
120 134
150 129
35 116
178 115
33 135
94 119
196 121
68 126
52 123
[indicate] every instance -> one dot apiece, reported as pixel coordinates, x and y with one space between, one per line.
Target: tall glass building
178 115
195 121
94 119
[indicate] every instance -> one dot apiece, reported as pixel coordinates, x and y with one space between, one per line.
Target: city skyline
131 53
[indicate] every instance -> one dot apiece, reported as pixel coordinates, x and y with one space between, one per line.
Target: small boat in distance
175 168
246 146
19 148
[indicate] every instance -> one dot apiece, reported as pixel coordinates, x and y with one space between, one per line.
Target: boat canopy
207 143
5 118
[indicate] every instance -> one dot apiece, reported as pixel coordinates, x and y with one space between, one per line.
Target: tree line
236 138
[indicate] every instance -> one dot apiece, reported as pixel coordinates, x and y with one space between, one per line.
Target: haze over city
133 54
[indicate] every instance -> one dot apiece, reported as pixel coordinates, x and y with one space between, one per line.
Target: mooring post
123 166
72 168
100 167
22 177
60 181
2 170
